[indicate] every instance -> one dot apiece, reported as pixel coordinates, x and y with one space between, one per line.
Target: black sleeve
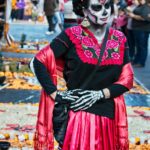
60 45
126 54
43 77
117 90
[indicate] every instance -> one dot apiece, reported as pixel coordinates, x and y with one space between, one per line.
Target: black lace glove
87 99
66 97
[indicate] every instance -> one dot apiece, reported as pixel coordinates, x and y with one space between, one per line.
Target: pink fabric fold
88 131
44 129
126 77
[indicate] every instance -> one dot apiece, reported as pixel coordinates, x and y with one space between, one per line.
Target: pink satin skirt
87 131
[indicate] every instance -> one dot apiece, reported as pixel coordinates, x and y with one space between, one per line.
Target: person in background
121 20
2 8
130 31
58 16
97 112
20 9
141 26
14 10
28 10
49 9
129 2
61 9
122 3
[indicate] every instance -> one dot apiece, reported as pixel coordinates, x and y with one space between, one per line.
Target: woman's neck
98 31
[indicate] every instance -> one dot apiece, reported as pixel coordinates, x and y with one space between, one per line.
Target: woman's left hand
87 99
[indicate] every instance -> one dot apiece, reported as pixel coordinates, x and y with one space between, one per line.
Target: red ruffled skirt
87 131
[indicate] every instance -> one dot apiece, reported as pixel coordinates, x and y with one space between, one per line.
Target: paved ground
143 74
32 31
24 96
32 96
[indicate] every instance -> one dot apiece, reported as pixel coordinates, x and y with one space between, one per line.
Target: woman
97 117
141 27
49 9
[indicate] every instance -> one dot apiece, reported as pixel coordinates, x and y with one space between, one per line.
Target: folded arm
124 83
89 97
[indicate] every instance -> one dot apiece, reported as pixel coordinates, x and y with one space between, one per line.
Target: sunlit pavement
22 104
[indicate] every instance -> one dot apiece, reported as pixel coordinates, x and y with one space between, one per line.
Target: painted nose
104 13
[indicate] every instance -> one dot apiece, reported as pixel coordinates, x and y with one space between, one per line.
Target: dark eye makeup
97 7
107 5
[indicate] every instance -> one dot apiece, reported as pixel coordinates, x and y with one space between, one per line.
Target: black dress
80 50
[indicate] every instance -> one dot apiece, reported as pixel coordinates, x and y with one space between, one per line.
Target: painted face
99 11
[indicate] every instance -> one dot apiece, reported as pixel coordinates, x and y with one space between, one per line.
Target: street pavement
36 32
33 31
142 75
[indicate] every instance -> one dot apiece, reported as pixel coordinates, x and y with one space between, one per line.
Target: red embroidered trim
88 48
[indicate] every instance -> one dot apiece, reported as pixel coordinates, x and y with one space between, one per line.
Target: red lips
104 19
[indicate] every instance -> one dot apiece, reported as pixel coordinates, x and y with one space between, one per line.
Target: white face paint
99 11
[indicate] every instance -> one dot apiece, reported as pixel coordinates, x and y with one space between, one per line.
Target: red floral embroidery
111 44
118 33
77 30
115 55
87 41
88 49
88 53
122 39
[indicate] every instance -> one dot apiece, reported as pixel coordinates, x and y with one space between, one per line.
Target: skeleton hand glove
66 97
86 100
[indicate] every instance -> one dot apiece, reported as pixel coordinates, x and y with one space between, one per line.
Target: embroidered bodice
88 48
80 50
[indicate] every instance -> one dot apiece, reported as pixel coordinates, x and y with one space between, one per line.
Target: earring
85 22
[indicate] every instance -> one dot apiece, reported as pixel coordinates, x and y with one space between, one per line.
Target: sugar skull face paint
99 11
